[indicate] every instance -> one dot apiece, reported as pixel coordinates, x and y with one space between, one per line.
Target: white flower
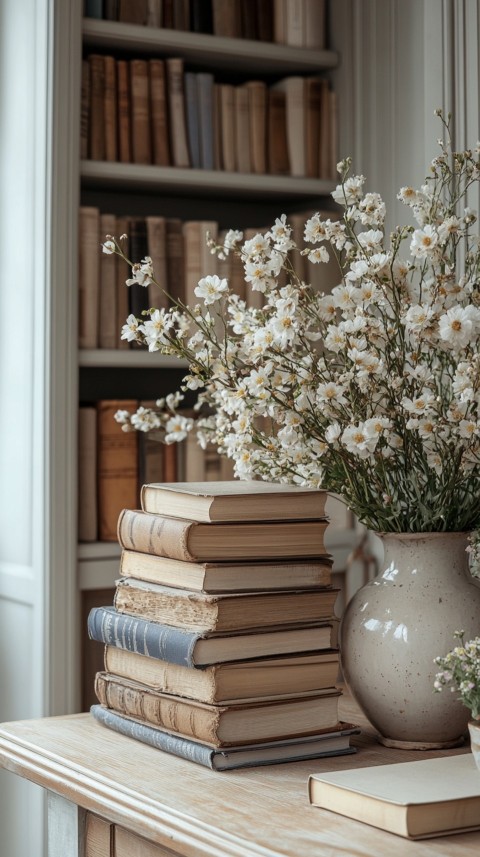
408 195
156 328
331 393
108 247
142 273
356 440
130 329
211 289
467 429
424 242
333 432
449 227
371 240
458 326
418 405
177 428
418 316
258 273
318 254
351 192
280 234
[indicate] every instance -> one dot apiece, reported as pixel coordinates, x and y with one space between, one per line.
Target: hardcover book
418 800
225 683
234 501
199 542
329 743
117 466
221 725
184 608
193 649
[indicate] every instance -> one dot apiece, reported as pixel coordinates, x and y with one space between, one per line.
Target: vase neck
425 554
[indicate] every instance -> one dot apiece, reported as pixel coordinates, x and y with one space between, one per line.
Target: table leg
66 828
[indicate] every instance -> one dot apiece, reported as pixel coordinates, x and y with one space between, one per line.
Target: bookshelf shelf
192 182
116 358
207 51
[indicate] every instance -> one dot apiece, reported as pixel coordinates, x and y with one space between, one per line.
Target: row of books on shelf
241 668
300 23
180 259
113 464
150 111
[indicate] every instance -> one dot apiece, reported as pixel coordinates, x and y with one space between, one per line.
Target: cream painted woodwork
184 809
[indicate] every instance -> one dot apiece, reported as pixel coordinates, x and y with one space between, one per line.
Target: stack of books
221 645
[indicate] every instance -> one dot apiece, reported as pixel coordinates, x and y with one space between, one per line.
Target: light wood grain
260 812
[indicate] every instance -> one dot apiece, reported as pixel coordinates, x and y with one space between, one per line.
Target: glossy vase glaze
396 625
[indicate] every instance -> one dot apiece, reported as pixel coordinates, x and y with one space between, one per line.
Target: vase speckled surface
474 730
396 625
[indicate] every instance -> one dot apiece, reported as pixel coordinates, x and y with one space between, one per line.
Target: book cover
294 89
87 474
88 276
176 112
122 274
133 11
175 260
192 649
278 161
124 131
108 330
110 108
258 679
158 113
140 112
157 250
193 541
417 800
97 107
257 111
193 122
265 20
235 500
117 466
221 725
222 612
154 13
205 119
227 18
331 743
85 111
242 130
226 97
314 31
225 577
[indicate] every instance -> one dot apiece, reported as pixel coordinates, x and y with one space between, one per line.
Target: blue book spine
172 744
164 642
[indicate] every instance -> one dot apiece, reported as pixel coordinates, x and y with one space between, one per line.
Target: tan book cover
117 466
227 124
278 162
175 259
313 98
315 29
88 276
294 12
157 250
87 474
325 135
279 21
221 725
417 800
258 679
124 130
108 331
222 612
294 89
140 112
227 576
236 500
159 116
122 274
257 111
170 461
199 262
97 107
176 112
242 130
110 109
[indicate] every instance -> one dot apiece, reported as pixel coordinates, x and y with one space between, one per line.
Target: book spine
242 130
108 333
154 13
176 109
172 713
201 16
159 120
176 746
265 20
87 474
139 89
314 24
156 244
294 23
175 263
152 639
117 466
227 125
88 276
138 294
154 535
85 110
122 273
278 162
110 109
133 11
257 98
97 107
227 20
193 127
123 112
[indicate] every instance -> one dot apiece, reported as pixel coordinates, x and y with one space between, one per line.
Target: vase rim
425 535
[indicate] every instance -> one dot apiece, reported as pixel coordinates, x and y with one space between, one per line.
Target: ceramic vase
474 730
396 625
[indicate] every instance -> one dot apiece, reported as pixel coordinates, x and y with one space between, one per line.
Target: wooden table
183 809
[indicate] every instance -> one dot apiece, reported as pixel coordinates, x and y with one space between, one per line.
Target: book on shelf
181 14
235 500
201 20
117 463
226 97
122 273
328 743
205 99
242 130
227 18
257 115
88 276
198 542
214 577
157 250
133 11
96 112
193 119
159 113
140 112
300 23
194 649
176 112
417 800
224 683
223 612
85 110
295 102
124 109
138 246
154 13
198 260
110 109
221 725
108 331
278 160
87 474
175 259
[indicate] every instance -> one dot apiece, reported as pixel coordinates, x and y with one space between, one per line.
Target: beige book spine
257 108
110 108
140 109
157 250
176 109
154 534
279 21
174 715
89 276
108 333
242 130
180 608
313 97
294 23
314 24
122 273
160 675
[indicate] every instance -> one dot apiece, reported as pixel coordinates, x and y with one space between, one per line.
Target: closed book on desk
329 743
220 725
184 608
225 576
192 649
418 800
197 542
233 500
224 683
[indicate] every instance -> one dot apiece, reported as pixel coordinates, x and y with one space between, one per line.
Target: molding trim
17 584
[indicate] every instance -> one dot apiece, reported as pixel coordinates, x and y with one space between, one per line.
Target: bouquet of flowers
460 670
372 391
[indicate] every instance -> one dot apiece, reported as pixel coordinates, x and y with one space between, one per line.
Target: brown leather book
278 162
133 11
87 474
248 15
159 116
315 24
88 276
181 14
157 250
227 18
85 110
117 466
110 109
257 107
265 20
175 260
176 112
242 130
97 107
227 126
170 455
122 274
108 334
124 131
140 112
